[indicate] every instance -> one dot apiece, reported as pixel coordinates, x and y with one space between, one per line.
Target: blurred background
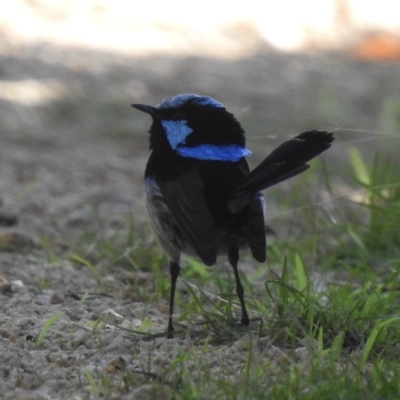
69 70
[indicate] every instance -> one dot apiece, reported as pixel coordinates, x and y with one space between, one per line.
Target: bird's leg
174 270
233 257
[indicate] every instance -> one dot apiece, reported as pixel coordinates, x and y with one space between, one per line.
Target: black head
188 121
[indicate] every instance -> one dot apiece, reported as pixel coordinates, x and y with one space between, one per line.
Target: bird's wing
185 199
256 229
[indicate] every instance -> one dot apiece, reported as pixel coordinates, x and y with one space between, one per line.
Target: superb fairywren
201 197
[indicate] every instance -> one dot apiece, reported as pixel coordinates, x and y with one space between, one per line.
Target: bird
201 197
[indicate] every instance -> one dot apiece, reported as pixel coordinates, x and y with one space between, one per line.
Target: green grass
325 310
47 326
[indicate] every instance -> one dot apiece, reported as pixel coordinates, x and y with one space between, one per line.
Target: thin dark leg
174 270
233 257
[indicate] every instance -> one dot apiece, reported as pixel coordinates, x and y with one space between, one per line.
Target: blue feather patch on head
176 132
217 153
180 99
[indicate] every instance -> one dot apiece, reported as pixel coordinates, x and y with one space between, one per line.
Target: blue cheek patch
177 132
216 153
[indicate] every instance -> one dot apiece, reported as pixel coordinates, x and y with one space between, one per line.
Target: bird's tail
288 160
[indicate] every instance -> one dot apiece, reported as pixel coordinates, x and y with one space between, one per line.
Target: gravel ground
73 153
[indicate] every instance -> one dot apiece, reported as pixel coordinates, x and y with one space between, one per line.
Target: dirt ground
72 156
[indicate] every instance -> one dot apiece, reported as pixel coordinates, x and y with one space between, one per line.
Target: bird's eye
178 116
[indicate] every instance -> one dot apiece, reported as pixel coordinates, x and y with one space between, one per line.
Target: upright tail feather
286 161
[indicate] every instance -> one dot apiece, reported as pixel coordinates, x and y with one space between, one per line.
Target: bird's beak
147 109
